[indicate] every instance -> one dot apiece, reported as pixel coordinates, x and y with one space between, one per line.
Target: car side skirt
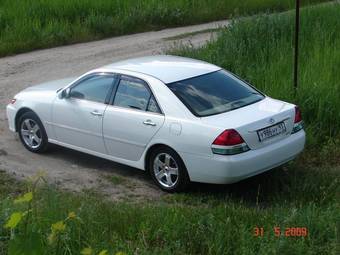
137 164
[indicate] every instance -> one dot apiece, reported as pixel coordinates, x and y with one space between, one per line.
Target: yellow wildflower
72 215
27 197
58 227
86 251
14 220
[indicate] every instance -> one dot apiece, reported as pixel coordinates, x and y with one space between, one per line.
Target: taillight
298 123
13 101
228 137
298 115
229 142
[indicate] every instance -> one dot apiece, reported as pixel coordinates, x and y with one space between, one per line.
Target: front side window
214 93
95 88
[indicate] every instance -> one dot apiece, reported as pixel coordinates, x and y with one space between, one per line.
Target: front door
78 119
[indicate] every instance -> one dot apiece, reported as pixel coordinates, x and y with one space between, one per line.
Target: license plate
269 132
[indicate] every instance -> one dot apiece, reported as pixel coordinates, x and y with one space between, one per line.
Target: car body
125 122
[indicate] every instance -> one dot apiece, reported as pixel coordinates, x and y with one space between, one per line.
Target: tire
32 133
162 166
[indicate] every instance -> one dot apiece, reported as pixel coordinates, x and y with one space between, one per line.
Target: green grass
206 220
28 25
260 50
116 179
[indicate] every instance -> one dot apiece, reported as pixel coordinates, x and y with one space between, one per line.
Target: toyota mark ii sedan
180 119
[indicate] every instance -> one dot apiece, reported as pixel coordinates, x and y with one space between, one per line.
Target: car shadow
260 190
284 183
84 160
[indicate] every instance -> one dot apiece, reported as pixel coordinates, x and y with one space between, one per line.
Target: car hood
51 85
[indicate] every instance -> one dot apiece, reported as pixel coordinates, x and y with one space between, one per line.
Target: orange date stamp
286 232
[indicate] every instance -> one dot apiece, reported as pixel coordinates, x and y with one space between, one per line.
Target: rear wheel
32 133
168 170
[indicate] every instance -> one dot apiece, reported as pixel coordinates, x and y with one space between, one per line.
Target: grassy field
211 219
260 50
27 25
206 220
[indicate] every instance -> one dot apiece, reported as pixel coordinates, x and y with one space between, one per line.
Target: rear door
131 120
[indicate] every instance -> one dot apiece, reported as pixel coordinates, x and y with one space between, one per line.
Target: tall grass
208 220
27 25
261 51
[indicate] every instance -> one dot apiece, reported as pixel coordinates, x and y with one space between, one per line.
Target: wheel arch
20 112
156 146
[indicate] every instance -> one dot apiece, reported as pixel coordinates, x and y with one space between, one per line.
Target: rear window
214 93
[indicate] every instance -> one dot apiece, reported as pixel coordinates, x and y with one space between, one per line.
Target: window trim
91 75
145 84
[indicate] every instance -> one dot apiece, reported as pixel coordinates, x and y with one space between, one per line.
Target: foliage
26 238
208 219
260 51
26 25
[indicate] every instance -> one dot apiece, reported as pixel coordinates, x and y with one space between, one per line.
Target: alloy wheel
166 170
31 133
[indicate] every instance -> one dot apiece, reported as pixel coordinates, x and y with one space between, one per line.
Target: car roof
166 68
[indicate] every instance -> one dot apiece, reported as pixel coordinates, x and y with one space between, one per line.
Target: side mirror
65 93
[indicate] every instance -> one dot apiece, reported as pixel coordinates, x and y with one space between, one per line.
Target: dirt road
66 168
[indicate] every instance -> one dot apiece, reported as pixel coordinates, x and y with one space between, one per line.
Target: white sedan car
179 119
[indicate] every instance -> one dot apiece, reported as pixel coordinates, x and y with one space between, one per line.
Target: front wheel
168 170
32 133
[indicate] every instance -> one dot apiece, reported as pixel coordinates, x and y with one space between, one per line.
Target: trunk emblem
271 121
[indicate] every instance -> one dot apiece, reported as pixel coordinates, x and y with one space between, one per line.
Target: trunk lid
250 119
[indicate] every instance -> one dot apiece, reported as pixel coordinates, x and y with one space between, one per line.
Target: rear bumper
10 112
222 169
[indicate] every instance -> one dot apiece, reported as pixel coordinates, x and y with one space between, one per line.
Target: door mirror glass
65 93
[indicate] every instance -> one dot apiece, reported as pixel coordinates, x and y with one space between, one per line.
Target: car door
131 120
78 119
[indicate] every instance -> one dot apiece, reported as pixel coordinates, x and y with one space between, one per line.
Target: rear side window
95 88
214 93
132 93
153 106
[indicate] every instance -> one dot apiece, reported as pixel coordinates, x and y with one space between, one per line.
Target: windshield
214 93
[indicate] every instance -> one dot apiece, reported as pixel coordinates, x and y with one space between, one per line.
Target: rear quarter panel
188 136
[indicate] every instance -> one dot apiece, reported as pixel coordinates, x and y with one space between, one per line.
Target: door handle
96 113
149 123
